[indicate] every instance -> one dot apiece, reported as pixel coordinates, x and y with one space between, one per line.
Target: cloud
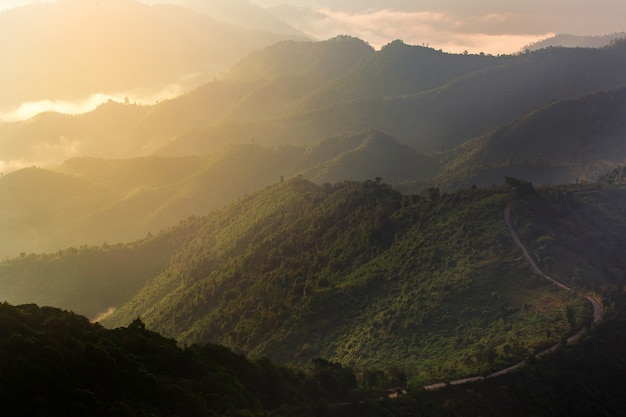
455 25
14 165
46 154
491 33
103 315
31 108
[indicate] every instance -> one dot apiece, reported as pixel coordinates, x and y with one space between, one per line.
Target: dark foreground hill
56 363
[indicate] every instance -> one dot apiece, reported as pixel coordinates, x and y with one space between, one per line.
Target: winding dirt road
598 312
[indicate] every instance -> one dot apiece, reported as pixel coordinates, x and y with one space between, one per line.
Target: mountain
290 70
551 116
575 41
397 70
446 116
73 367
298 93
358 157
105 53
572 381
564 142
354 272
95 200
583 129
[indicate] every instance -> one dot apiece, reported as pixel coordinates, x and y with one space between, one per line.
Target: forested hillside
56 363
584 379
354 272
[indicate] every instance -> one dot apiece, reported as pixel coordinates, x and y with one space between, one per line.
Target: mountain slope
359 273
447 116
398 70
575 41
366 156
124 199
588 128
564 142
352 89
351 271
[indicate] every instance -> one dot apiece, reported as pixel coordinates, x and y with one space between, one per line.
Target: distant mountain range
426 99
575 41
330 111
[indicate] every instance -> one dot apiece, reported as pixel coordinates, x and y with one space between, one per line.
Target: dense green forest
584 379
55 363
357 273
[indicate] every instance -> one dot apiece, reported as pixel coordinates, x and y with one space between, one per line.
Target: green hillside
358 273
584 379
56 363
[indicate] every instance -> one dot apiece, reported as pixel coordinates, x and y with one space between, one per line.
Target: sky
490 26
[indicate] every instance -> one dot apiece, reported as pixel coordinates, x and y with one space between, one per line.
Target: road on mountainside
598 312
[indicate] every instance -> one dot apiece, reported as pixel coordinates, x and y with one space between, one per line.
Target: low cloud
103 315
14 165
42 154
32 108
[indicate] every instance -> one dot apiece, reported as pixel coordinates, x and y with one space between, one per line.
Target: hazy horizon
103 65
483 26
452 25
